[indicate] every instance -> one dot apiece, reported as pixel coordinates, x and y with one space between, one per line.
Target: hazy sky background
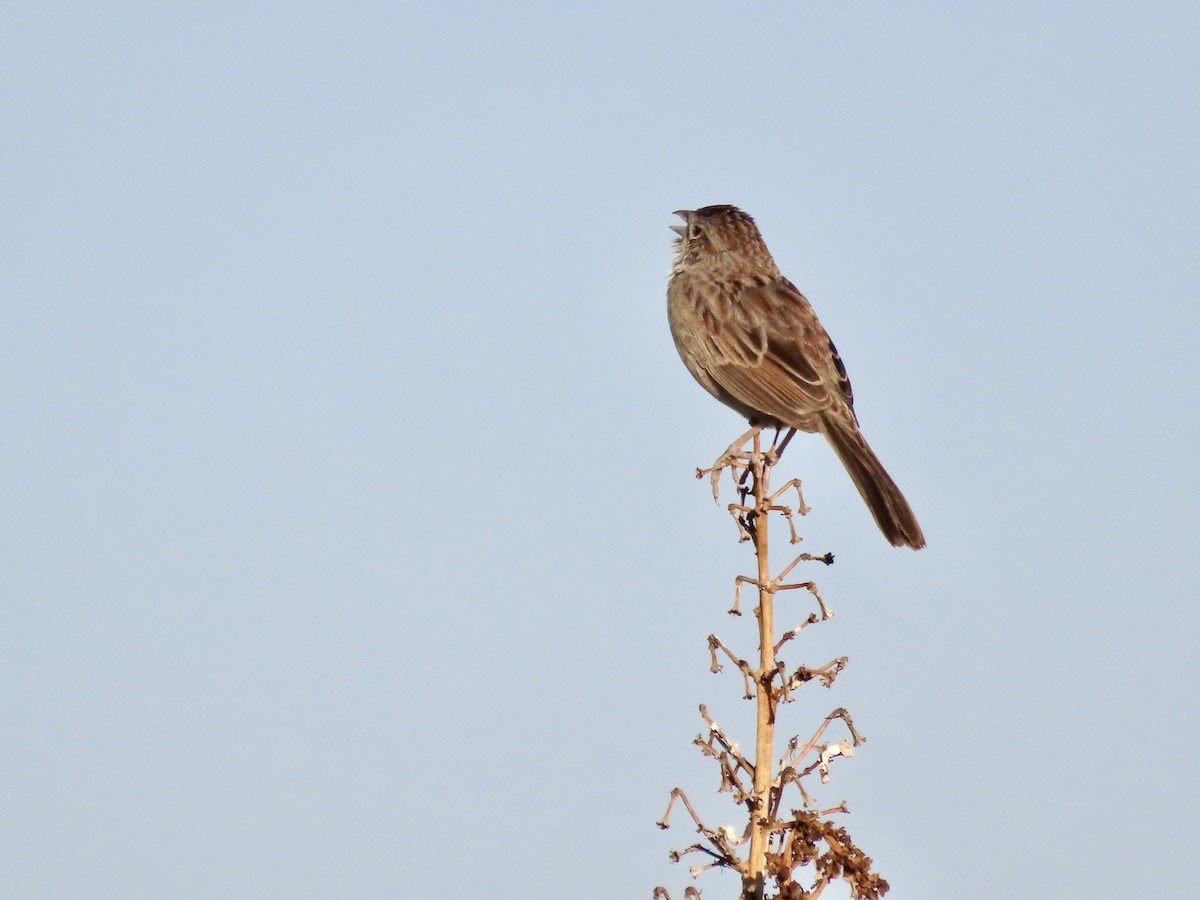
350 545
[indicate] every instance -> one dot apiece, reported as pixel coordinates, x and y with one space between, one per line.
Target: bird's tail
892 513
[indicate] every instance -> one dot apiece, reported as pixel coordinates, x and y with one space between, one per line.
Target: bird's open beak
681 230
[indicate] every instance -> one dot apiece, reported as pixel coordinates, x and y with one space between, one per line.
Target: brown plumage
753 341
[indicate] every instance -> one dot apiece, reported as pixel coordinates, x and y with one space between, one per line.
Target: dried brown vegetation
790 847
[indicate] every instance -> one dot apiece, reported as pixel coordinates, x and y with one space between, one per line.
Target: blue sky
349 540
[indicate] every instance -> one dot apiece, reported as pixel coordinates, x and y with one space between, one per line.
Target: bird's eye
695 231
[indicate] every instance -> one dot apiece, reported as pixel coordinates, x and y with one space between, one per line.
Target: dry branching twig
803 853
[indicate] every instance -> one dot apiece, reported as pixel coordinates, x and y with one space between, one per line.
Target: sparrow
753 341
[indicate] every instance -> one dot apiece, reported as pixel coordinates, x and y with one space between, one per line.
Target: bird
753 341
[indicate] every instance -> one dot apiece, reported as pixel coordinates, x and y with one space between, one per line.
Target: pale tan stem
754 883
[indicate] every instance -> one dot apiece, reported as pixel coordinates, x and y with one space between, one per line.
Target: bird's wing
771 354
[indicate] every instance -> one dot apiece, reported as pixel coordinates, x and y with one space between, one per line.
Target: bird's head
721 236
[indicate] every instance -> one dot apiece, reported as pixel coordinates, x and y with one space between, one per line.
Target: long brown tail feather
892 513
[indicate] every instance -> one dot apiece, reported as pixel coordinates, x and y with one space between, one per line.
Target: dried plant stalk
754 880
778 845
